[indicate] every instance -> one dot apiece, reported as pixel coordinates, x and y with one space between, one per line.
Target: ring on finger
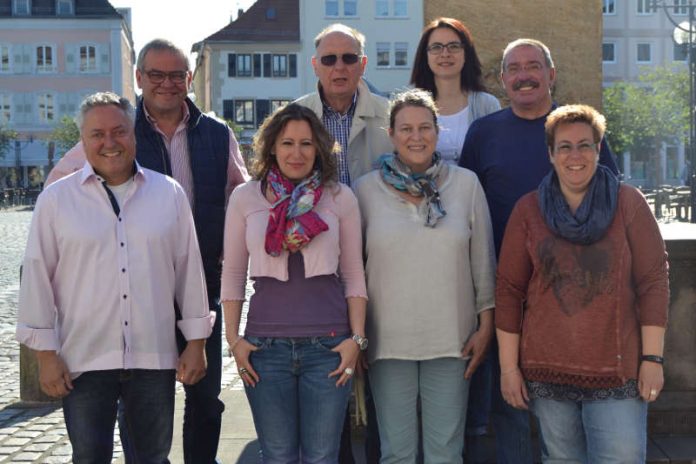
653 392
348 371
243 370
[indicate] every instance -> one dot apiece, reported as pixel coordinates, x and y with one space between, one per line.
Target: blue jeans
513 437
298 410
607 431
148 404
439 383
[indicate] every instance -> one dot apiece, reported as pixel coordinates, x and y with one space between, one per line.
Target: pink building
52 54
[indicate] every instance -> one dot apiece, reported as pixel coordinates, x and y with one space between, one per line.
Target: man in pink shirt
175 138
112 256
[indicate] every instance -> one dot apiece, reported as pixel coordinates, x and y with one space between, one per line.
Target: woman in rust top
581 302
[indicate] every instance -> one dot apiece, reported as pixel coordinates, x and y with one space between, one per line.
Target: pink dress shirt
101 289
339 248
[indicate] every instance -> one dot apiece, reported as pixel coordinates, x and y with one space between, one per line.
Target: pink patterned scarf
292 222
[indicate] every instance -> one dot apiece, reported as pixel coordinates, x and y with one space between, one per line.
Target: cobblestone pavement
37 434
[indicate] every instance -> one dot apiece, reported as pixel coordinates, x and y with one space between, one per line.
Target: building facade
638 36
263 59
52 54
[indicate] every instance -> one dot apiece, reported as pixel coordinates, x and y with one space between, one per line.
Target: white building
263 59
638 36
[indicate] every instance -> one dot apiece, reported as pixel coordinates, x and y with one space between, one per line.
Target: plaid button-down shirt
339 125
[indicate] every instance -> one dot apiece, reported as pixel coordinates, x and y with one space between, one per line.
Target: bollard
29 387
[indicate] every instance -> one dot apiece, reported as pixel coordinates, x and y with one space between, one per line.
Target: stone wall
572 29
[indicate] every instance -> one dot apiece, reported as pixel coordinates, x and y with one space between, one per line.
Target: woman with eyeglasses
298 232
581 302
447 66
430 275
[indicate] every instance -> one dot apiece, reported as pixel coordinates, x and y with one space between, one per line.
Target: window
88 58
270 13
5 57
44 58
645 7
5 108
681 7
275 104
350 7
382 8
46 108
64 7
608 52
21 7
608 7
244 111
401 54
243 65
331 7
400 8
643 53
280 65
680 52
383 53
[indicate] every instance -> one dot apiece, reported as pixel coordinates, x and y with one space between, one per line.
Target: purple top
300 307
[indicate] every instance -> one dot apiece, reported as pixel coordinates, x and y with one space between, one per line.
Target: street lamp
685 34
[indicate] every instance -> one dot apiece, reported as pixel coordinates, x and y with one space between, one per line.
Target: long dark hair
422 76
273 126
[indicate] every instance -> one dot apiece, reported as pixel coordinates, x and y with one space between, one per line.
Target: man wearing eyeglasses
355 117
507 150
173 137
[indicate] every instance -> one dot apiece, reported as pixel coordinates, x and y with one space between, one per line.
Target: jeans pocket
260 343
329 343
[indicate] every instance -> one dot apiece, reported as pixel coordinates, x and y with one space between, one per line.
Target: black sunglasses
347 58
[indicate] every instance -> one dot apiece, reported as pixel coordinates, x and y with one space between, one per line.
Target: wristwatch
361 341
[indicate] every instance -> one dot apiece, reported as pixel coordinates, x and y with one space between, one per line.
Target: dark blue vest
208 144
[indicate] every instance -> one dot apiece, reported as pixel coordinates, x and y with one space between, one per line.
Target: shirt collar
88 173
184 111
333 112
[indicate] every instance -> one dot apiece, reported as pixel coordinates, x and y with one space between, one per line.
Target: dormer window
270 13
64 7
21 7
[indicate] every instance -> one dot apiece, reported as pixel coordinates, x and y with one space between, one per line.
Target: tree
65 135
642 116
6 138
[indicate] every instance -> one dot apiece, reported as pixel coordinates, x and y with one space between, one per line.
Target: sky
184 23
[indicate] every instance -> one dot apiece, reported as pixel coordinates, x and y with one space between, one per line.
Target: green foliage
641 116
65 135
235 128
6 138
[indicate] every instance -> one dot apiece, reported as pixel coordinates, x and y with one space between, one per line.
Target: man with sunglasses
507 150
355 117
175 138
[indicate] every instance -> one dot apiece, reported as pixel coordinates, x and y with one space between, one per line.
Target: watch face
361 341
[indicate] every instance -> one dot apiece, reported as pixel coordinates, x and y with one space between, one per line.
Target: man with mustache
112 257
507 150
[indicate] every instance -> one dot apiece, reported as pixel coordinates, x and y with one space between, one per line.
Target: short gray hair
358 36
104 99
539 45
160 45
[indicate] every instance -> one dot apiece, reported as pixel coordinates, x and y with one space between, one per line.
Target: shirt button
123 270
126 323
125 296
119 219
122 243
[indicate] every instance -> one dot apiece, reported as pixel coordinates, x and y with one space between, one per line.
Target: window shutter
266 65
231 65
71 52
103 52
262 110
228 109
292 64
257 65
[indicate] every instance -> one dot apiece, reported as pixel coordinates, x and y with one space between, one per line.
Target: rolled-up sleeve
196 319
352 269
513 275
36 317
